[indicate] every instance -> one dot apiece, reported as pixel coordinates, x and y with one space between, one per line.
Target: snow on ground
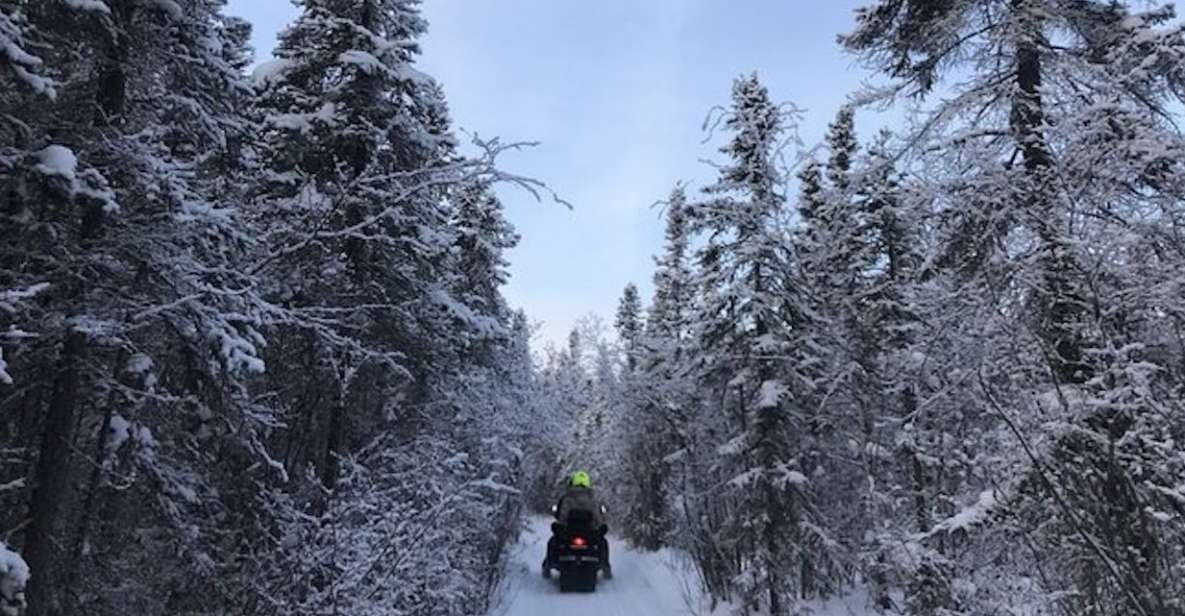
643 584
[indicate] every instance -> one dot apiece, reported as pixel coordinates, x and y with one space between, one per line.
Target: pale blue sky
616 91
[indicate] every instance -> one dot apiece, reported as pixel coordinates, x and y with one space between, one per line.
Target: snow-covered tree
1041 172
483 237
357 161
655 401
629 324
842 147
673 286
809 237
753 340
144 325
204 323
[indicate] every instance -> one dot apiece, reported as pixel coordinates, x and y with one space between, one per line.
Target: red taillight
578 542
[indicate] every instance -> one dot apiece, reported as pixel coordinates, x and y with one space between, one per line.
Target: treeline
949 369
254 358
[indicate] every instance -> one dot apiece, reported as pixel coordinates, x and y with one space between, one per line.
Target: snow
1132 22
1161 516
270 72
854 604
771 394
740 379
59 161
95 187
170 7
94 327
238 351
15 54
790 477
89 5
190 211
4 376
494 486
144 437
406 72
118 433
13 296
365 61
139 364
14 575
970 516
22 63
40 84
644 584
187 493
303 122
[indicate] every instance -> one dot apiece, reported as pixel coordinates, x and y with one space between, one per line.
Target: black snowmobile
577 555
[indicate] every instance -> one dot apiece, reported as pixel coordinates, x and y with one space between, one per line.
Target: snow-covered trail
643 584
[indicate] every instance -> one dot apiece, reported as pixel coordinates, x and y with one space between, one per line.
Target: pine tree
483 235
810 232
22 68
673 288
842 144
145 323
842 223
751 330
1017 41
1050 116
629 324
214 305
575 354
654 423
356 168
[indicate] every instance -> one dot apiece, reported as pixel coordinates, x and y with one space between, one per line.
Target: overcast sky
616 91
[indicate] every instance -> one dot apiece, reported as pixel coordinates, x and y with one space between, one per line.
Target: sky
616 92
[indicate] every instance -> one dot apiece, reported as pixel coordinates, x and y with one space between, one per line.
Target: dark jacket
579 499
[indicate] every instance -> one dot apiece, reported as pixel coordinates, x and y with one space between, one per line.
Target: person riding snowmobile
580 503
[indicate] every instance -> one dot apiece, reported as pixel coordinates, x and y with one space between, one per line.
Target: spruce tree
629 324
673 288
356 168
752 335
655 421
144 322
810 232
842 147
215 303
483 235
1056 107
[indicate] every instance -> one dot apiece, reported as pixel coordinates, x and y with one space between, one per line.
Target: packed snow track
643 584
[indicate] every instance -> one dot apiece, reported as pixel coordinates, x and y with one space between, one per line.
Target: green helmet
580 479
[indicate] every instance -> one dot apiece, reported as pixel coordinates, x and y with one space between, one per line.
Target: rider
579 499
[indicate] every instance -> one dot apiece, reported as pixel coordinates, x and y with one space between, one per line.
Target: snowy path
643 584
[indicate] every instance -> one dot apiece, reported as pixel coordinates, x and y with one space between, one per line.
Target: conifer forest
257 356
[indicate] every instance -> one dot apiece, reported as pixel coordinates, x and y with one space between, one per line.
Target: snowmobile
577 556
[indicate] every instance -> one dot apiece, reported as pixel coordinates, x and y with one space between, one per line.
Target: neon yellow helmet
580 479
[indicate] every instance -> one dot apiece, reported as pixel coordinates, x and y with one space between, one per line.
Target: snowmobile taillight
578 542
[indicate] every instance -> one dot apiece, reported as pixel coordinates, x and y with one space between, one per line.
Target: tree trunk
333 443
53 480
1058 307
